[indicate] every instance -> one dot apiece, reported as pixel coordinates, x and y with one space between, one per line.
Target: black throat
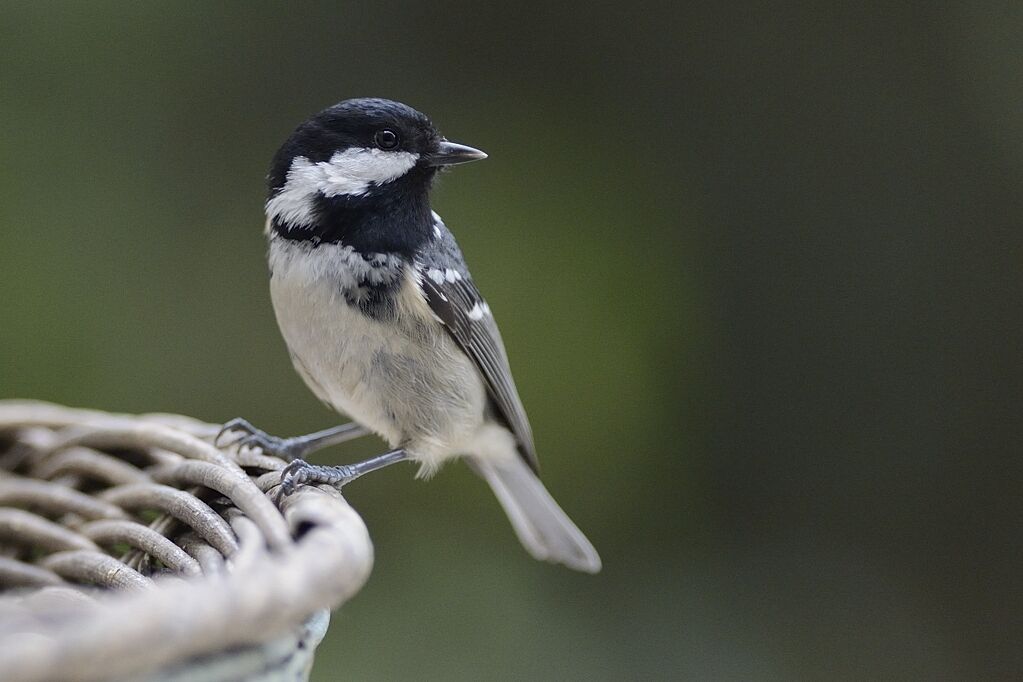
391 219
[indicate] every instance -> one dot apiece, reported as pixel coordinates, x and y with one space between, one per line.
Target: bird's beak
450 153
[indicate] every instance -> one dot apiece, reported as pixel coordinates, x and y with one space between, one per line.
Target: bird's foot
299 472
288 449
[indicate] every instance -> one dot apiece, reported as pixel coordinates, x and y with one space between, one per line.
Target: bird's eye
386 139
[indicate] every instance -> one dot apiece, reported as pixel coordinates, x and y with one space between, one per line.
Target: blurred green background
758 271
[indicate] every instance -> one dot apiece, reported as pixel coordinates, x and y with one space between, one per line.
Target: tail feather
544 529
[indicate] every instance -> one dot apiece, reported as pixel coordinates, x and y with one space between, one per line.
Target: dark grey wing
460 307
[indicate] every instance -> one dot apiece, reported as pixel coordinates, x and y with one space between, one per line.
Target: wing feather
466 316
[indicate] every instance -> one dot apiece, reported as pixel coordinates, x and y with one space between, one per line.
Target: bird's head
358 170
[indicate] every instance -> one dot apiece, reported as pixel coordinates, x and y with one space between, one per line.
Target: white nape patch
353 172
479 311
438 224
440 276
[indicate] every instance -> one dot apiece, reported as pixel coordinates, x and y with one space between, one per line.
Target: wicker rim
218 566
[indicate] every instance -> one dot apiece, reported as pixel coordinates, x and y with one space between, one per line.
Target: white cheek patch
353 172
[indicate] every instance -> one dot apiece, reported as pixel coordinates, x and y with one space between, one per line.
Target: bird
384 322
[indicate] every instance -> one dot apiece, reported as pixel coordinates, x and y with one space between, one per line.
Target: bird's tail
544 529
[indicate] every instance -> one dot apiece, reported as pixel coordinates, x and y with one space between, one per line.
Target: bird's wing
458 304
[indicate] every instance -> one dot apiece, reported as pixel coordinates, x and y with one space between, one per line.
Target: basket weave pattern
132 543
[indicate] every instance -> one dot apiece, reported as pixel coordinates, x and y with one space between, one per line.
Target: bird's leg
289 448
300 472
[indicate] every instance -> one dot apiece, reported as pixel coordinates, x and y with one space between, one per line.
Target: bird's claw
293 475
251 437
299 472
236 424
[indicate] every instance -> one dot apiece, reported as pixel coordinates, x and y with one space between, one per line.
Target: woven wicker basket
132 548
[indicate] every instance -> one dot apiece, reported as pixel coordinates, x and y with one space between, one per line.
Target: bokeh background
758 270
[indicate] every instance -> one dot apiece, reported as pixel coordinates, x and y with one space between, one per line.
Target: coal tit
384 322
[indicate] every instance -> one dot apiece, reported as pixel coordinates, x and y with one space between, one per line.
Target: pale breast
404 378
